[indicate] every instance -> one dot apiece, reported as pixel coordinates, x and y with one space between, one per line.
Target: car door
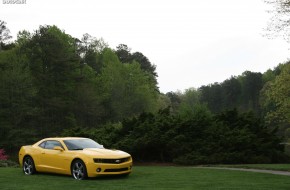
54 160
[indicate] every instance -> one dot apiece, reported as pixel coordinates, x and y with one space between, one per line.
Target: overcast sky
192 42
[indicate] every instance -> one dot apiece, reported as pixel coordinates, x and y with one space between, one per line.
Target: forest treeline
53 84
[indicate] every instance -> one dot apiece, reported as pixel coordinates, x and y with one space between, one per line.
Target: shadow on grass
100 178
109 177
44 174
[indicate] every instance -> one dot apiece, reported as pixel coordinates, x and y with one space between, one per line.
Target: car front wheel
79 170
28 166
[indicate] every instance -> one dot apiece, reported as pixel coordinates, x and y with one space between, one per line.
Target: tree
88 49
17 99
269 75
279 22
123 53
4 34
128 89
251 84
231 92
125 56
190 104
212 96
23 37
163 101
88 108
276 100
144 63
175 100
55 68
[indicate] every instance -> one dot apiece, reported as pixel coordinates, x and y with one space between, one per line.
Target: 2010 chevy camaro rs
79 157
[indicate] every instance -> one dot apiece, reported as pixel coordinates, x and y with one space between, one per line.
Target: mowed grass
278 167
148 177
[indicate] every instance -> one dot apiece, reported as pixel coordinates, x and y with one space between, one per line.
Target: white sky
192 42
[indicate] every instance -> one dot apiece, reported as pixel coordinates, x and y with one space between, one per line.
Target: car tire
79 170
28 166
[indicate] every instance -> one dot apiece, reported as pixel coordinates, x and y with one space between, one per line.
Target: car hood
104 153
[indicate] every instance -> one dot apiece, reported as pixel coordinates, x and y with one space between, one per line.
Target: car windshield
80 144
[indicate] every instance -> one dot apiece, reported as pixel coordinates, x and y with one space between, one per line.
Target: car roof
63 138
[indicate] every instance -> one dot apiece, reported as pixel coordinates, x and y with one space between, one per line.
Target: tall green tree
55 68
231 92
124 53
175 100
88 49
144 62
212 95
17 95
128 89
190 104
125 56
251 85
88 109
276 100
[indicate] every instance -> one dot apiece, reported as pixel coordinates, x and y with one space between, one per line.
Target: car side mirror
58 148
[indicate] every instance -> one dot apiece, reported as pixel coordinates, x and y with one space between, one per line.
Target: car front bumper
99 169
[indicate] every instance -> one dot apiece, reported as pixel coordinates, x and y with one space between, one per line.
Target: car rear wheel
78 170
28 166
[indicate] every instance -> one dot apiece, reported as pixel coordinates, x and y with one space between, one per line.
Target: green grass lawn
148 177
278 167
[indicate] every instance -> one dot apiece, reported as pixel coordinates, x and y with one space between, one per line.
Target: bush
3 156
202 138
8 163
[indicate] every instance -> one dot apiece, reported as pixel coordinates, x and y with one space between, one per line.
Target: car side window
51 144
42 145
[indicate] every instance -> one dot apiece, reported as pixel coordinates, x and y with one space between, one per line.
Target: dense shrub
202 138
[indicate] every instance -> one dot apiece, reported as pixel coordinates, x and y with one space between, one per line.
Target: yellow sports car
79 157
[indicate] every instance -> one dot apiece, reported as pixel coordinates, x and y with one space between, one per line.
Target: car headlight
98 160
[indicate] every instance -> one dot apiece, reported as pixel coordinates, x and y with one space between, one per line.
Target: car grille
117 170
111 161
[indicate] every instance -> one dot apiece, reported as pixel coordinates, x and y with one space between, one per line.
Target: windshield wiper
76 149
